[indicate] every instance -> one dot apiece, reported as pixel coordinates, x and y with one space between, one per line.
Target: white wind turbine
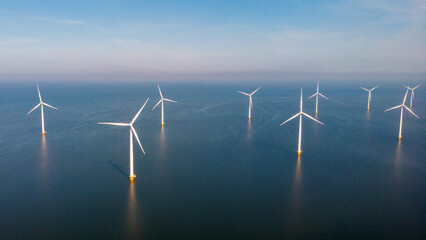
317 94
132 131
162 104
42 113
251 102
369 95
412 93
402 106
299 151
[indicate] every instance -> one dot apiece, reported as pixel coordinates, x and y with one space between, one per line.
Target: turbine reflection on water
44 172
398 159
132 214
295 220
297 185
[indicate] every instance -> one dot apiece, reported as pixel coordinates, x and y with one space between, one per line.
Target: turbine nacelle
370 89
129 124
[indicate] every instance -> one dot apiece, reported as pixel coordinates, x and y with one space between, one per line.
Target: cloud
12 41
366 37
56 20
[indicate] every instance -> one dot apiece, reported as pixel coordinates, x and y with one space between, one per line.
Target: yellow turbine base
43 133
162 124
399 137
298 153
132 178
316 113
249 117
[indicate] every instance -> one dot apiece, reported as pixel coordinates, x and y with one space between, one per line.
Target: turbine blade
157 104
115 124
39 95
374 87
137 114
38 105
405 97
244 93
312 118
365 89
312 96
410 111
137 138
169 100
322 96
416 86
50 106
160 91
393 108
408 87
290 119
255 90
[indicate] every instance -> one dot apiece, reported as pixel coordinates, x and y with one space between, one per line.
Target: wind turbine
42 113
132 131
412 93
369 95
251 102
299 151
317 94
162 104
402 106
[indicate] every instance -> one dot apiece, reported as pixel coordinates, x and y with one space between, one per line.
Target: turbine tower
250 102
412 93
369 95
299 150
162 104
317 94
132 131
41 104
402 106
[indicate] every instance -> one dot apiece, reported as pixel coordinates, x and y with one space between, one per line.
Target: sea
210 172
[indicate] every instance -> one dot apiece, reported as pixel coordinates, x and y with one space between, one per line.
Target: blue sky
235 40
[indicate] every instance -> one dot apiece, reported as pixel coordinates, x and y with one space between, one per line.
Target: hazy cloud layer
358 38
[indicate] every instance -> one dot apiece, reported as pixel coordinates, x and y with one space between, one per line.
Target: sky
209 40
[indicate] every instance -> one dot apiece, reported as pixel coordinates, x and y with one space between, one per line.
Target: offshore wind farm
238 90
79 172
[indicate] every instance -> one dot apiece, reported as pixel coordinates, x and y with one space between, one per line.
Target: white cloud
12 41
57 20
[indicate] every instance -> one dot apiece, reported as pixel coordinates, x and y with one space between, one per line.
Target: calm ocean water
210 173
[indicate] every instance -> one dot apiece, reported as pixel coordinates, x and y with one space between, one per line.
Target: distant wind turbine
251 102
132 131
299 151
317 94
402 106
162 104
41 107
412 93
369 95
